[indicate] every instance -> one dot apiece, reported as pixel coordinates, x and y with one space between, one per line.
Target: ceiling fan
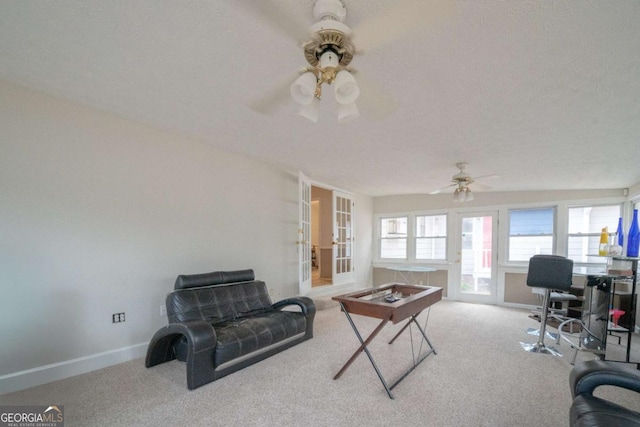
329 46
461 182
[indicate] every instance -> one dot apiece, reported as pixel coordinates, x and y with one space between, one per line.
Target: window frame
410 252
591 259
415 236
380 238
553 234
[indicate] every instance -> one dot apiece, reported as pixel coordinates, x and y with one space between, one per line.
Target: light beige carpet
480 377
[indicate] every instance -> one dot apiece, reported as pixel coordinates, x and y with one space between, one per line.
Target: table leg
363 347
365 343
414 320
403 328
415 364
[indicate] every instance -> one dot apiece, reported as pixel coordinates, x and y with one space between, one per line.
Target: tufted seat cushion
239 338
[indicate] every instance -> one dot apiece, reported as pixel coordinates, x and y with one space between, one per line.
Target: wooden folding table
392 303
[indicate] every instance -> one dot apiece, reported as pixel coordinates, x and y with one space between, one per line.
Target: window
393 237
585 225
431 237
530 233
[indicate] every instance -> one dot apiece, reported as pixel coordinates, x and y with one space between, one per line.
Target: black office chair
588 410
550 272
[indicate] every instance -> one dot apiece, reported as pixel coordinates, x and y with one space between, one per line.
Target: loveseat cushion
238 338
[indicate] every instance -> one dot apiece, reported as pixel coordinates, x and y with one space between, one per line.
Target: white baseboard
56 371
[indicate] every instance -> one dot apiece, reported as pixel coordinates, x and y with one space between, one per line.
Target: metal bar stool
550 272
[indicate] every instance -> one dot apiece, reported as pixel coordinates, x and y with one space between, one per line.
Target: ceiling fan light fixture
347 112
463 194
468 195
310 111
346 88
329 59
304 88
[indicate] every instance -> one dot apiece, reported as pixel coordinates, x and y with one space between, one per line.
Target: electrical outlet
117 317
163 310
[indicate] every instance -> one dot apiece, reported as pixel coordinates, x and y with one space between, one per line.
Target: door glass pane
343 235
305 232
476 255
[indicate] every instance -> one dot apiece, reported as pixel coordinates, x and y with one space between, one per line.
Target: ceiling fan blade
272 13
399 20
278 95
440 190
477 178
374 102
476 186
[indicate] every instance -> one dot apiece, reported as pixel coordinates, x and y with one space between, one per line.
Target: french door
342 267
304 234
476 257
342 238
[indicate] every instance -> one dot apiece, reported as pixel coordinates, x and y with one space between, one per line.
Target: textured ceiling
546 94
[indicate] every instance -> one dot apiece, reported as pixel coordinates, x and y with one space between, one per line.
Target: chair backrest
550 272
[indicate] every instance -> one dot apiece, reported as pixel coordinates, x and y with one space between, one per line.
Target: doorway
476 257
325 236
321 237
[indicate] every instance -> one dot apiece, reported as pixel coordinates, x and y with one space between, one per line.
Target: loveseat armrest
306 304
585 377
308 308
201 344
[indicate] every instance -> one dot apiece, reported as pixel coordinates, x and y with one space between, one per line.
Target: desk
407 273
391 303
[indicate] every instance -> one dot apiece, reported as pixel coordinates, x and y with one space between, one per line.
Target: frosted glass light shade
304 88
311 111
468 195
347 112
346 88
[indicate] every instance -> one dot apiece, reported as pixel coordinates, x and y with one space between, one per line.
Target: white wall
98 215
363 225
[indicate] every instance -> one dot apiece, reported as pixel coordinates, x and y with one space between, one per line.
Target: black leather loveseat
223 321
